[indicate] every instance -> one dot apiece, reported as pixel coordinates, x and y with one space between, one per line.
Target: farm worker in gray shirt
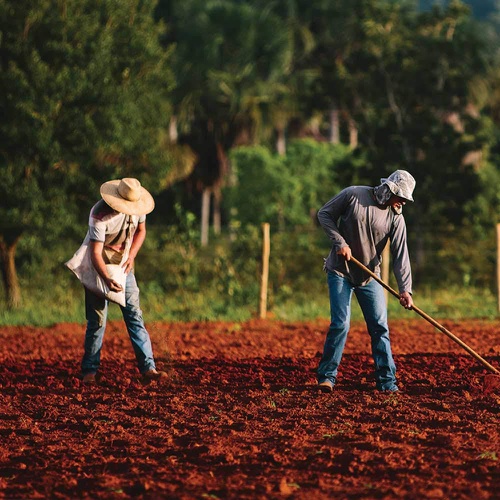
359 221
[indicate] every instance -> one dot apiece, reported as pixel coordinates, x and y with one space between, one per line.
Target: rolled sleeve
97 230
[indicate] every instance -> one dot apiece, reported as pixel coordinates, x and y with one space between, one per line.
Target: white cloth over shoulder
82 267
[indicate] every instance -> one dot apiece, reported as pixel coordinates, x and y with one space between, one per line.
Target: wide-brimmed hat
401 183
127 196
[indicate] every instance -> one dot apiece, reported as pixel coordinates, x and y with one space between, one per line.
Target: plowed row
240 418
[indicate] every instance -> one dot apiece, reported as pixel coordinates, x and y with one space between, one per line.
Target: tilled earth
239 416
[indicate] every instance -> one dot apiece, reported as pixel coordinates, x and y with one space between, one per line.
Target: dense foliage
83 92
267 109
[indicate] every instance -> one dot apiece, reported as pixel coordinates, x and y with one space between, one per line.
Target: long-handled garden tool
432 321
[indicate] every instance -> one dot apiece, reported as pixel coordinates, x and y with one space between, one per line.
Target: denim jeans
96 311
372 301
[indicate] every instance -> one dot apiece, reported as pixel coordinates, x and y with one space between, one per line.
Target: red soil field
239 417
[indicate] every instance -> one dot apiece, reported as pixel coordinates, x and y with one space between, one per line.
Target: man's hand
98 262
405 299
128 265
113 285
345 252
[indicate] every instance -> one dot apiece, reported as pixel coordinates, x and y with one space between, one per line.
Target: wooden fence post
266 250
205 215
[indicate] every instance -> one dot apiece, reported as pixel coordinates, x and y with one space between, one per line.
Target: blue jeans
372 301
96 312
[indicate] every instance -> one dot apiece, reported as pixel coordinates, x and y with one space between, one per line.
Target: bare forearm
137 242
100 266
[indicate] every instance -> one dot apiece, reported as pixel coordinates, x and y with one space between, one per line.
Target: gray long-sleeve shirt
353 218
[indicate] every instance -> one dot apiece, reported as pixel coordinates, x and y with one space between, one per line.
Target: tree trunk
172 130
205 215
419 246
216 215
398 114
353 134
9 273
281 141
419 257
224 173
334 126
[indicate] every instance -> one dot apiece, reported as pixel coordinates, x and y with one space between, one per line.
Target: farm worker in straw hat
117 229
359 221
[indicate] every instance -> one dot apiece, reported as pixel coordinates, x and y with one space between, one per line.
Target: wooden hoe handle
430 320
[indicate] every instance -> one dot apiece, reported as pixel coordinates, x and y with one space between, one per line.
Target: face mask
382 194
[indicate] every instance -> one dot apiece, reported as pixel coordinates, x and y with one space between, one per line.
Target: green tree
254 194
422 115
285 191
83 100
230 59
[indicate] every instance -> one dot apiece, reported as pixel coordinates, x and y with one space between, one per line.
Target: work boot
89 379
325 386
392 388
152 375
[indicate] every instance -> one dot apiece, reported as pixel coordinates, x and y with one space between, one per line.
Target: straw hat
127 196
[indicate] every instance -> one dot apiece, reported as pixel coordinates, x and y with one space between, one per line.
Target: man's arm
328 216
96 248
137 241
401 261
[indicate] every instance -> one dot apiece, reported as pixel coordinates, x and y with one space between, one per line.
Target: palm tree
230 59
